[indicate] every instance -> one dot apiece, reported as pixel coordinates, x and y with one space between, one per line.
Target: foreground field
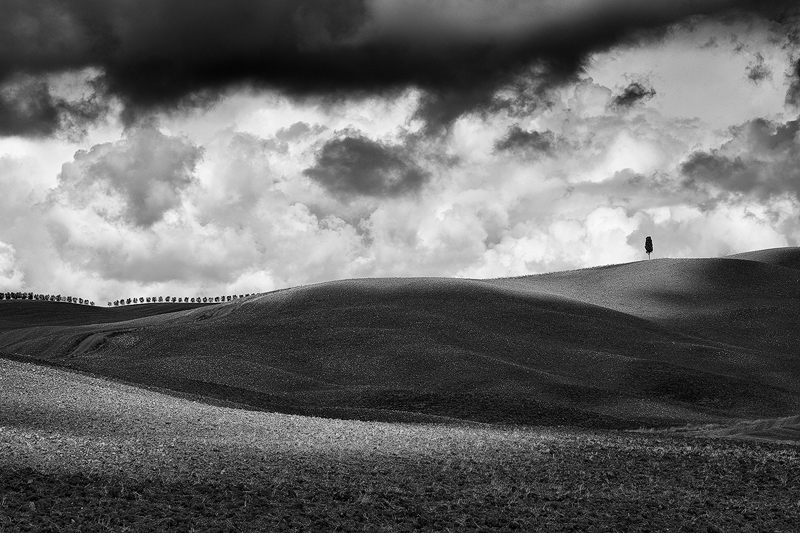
79 453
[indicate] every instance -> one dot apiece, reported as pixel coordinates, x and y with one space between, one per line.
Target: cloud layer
153 55
762 158
261 190
143 174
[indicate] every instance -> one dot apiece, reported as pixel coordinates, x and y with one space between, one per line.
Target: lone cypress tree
648 246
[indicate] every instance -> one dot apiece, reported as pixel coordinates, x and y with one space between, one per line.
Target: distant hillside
655 342
785 257
26 313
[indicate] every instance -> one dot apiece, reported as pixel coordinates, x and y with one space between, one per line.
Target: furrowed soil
78 453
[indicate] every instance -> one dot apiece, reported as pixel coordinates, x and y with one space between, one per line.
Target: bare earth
79 453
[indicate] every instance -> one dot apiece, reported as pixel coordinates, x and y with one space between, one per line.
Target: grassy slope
785 257
15 314
83 454
652 342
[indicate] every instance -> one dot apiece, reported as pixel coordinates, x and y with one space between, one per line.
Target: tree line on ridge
44 297
176 299
15 295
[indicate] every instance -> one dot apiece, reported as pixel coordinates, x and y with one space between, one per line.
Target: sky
192 148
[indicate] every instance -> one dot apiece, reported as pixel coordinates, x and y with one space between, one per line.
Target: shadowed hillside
26 313
649 343
738 302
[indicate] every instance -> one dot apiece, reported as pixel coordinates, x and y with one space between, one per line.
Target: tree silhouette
648 246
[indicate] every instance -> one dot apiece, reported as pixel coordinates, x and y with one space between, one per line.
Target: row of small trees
122 301
44 297
175 299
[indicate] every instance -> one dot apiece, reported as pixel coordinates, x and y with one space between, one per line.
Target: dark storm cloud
155 55
518 139
632 94
762 159
147 172
354 165
27 107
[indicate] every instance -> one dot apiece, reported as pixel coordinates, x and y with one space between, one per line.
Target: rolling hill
651 343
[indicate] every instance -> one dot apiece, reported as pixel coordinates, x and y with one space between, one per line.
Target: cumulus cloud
161 55
182 253
680 230
139 178
242 178
762 159
601 234
147 214
353 165
534 141
18 195
11 278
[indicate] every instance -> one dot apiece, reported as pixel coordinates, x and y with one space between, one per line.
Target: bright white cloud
11 278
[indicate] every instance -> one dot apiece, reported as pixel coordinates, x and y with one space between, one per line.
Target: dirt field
79 453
